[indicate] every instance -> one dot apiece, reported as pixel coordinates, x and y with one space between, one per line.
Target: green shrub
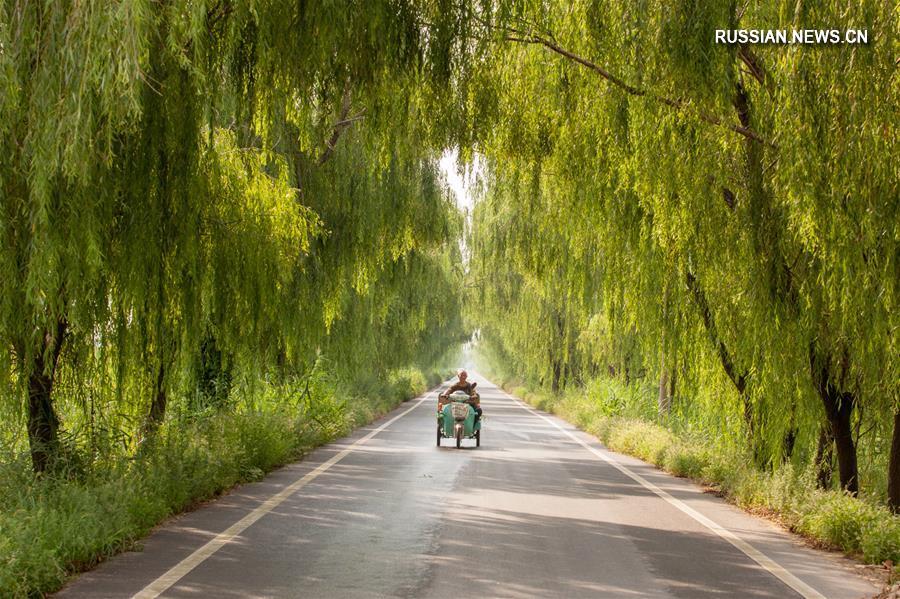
880 540
716 470
685 460
407 382
839 520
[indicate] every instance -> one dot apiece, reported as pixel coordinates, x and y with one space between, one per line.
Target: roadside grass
832 519
52 527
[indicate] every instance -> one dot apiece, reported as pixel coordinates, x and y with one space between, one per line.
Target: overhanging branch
344 121
738 378
518 36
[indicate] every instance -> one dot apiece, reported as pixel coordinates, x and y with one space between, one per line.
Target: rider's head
462 374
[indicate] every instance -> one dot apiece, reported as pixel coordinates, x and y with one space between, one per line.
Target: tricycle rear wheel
439 435
478 438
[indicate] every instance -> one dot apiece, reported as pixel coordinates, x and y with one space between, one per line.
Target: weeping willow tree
193 191
699 204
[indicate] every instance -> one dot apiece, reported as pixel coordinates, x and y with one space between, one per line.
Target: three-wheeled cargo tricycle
457 421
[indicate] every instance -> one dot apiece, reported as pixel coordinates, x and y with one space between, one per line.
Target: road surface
540 510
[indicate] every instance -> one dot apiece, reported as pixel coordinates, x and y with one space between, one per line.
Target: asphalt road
539 510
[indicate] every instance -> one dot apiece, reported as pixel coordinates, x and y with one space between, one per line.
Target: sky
462 186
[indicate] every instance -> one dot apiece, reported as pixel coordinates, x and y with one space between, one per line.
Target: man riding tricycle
459 412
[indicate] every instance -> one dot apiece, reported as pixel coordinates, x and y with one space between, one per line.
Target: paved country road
539 510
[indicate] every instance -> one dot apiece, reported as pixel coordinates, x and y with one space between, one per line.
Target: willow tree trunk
43 423
738 376
555 357
557 376
158 404
787 444
848 470
790 435
825 456
664 400
894 467
839 405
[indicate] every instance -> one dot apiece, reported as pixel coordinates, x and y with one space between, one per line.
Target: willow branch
520 37
757 71
739 379
344 121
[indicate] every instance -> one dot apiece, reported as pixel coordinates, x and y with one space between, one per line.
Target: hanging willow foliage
199 192
656 203
193 187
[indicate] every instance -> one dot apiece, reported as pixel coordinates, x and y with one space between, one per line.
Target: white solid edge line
746 548
177 572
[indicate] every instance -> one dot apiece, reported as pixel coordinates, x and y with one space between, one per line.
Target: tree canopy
196 192
658 205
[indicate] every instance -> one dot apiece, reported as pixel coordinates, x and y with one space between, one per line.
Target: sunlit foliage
204 196
724 217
